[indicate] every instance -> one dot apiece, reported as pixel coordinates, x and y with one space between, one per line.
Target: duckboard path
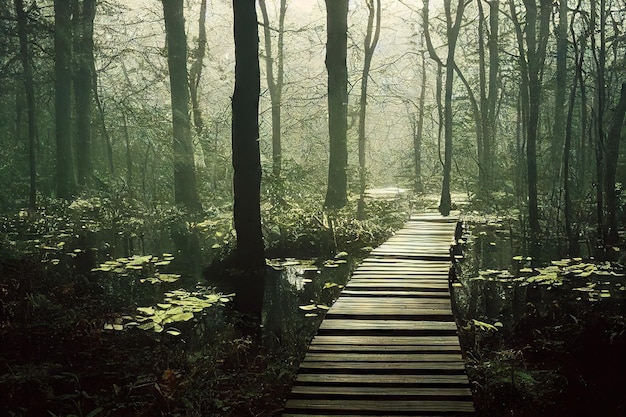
389 346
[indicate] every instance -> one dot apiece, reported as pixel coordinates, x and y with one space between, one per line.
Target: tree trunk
129 157
572 235
558 132
612 152
30 102
65 177
195 72
417 138
83 49
371 39
489 133
275 84
336 52
482 126
599 54
532 51
452 30
185 189
246 157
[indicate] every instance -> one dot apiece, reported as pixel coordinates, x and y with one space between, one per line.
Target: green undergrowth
102 314
540 338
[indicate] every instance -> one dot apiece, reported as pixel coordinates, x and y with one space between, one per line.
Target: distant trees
336 55
527 104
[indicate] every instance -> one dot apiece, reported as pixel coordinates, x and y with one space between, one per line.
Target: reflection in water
297 296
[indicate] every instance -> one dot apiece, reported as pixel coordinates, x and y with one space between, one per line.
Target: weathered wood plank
365 379
315 347
385 368
334 391
388 340
358 291
382 357
395 301
390 325
381 405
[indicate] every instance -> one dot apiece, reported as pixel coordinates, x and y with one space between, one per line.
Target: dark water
296 299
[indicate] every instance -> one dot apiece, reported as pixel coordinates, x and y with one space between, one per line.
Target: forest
187 186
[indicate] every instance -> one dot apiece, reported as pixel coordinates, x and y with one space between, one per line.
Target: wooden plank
364 379
359 292
443 300
406 262
315 347
381 405
406 325
346 307
372 340
436 284
383 357
333 391
384 368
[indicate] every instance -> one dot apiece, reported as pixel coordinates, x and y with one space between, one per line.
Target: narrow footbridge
389 344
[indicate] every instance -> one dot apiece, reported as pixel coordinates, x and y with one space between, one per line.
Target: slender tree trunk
275 83
371 39
482 126
336 53
246 157
103 127
453 27
532 49
83 48
22 21
612 152
129 156
599 53
195 72
572 235
489 138
185 189
65 177
417 138
558 132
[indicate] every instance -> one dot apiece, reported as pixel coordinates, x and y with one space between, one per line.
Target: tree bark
195 72
417 138
453 27
65 177
371 39
275 83
336 53
572 235
599 54
489 137
83 49
532 53
558 132
612 152
185 189
22 23
246 158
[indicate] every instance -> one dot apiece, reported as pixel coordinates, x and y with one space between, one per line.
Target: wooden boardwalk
389 344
